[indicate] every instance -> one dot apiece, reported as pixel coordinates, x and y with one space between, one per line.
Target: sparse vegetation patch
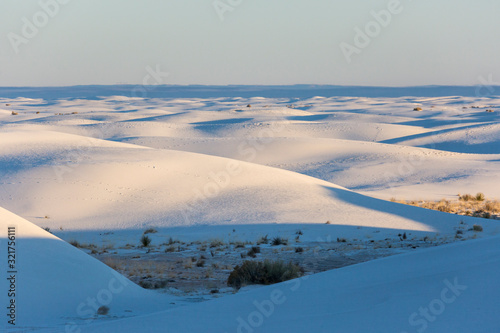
263 272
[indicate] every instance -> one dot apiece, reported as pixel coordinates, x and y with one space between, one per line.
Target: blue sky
249 42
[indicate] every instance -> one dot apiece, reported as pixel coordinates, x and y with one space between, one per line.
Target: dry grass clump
467 204
216 243
477 227
115 264
263 240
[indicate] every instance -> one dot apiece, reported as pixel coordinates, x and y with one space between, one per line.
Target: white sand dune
208 165
57 284
108 185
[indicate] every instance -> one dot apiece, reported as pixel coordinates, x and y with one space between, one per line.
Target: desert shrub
299 250
216 243
477 227
263 272
200 263
299 232
145 241
256 249
253 251
171 248
238 245
263 240
279 241
14 113
103 310
341 240
490 206
417 109
150 231
480 196
465 197
146 284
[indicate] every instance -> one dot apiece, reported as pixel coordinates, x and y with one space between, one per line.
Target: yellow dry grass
470 205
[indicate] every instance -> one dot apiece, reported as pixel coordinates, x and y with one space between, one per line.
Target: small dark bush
263 272
150 231
279 241
477 227
253 251
103 310
146 284
299 250
145 241
480 197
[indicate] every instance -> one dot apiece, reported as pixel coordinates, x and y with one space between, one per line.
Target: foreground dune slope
54 283
451 288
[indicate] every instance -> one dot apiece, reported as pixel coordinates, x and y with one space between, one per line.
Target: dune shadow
153 118
316 117
428 134
416 214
